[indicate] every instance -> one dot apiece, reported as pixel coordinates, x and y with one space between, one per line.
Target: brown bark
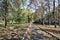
54 12
5 7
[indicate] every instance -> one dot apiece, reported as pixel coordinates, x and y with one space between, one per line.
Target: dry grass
50 28
7 32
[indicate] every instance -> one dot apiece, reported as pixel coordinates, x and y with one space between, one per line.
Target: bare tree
54 13
48 10
58 12
5 8
42 14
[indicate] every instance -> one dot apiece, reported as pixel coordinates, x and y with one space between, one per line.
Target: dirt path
33 32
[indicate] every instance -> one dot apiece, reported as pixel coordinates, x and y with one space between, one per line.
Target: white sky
56 4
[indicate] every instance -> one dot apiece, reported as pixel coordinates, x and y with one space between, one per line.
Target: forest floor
52 29
18 32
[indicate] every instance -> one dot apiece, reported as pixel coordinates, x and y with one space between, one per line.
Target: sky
0 3
51 5
56 4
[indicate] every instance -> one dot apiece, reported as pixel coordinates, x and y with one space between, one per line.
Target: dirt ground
10 31
18 32
52 29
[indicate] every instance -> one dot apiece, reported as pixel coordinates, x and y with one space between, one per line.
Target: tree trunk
54 13
5 22
49 12
5 6
58 12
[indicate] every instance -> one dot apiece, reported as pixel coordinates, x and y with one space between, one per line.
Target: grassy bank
15 25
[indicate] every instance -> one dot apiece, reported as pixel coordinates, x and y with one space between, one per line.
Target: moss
17 25
1 25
